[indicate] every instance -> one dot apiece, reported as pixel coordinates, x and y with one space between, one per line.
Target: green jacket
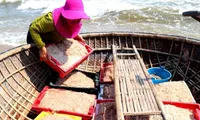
43 31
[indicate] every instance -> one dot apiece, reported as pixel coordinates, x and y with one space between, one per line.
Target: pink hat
73 9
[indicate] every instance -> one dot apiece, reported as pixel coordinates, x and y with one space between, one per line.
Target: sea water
152 16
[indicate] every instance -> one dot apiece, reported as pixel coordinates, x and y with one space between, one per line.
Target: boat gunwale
15 50
20 48
142 34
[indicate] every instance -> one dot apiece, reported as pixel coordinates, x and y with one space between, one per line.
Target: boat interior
23 75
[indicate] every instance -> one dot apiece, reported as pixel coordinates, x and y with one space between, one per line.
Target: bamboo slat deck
133 87
136 95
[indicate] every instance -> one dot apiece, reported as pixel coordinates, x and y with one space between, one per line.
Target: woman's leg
29 38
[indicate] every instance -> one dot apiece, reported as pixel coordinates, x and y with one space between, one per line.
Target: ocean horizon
151 16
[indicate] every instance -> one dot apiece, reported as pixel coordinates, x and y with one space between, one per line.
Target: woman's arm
41 25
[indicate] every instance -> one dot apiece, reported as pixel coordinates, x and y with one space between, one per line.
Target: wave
149 14
97 8
106 15
40 4
9 1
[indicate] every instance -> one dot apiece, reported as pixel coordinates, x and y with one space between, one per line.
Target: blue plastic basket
164 74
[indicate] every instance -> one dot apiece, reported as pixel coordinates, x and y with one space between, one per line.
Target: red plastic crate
191 106
104 100
103 65
38 109
57 67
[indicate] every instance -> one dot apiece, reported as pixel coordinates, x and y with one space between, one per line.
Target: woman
63 22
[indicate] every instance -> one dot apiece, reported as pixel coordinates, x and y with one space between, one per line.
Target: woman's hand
43 54
79 38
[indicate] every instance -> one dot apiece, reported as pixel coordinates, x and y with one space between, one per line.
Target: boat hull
23 76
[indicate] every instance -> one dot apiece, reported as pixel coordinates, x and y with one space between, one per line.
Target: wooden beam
160 104
120 115
142 113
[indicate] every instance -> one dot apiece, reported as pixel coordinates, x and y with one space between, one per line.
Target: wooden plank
134 88
145 86
152 101
119 110
143 113
130 91
126 54
155 106
126 86
121 88
136 96
159 103
138 83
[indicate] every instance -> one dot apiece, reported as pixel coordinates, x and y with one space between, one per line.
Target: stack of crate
64 57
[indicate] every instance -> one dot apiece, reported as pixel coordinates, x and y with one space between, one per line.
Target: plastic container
53 63
35 107
44 114
103 66
191 106
161 72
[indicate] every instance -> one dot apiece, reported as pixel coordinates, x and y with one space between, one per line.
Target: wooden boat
23 76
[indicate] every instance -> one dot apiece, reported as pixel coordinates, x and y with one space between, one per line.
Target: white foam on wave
8 1
13 38
92 7
53 5
97 8
34 4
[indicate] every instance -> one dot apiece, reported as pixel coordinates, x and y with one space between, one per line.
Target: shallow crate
195 108
89 90
53 63
38 109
